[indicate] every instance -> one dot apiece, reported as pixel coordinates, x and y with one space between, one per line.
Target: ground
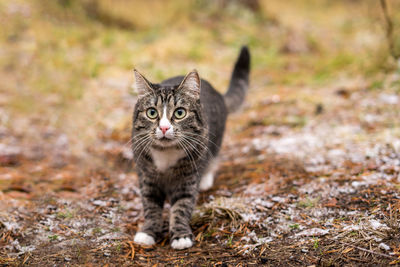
309 171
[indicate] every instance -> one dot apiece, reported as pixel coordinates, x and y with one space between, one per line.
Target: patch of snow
252 236
377 225
313 232
111 236
357 184
346 189
100 203
278 199
255 189
250 217
372 118
259 143
390 99
384 246
6 150
264 203
11 226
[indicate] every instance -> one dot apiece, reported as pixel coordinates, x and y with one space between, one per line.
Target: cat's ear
142 85
191 83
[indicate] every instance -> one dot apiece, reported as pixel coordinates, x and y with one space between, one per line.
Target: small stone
384 246
278 199
107 253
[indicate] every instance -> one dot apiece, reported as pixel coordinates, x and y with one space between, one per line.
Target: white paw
144 239
206 181
182 243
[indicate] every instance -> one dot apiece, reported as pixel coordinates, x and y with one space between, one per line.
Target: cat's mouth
166 142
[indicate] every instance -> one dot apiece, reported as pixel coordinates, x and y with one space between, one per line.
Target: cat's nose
164 129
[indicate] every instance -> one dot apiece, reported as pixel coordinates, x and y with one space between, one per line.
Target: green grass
308 202
53 237
65 215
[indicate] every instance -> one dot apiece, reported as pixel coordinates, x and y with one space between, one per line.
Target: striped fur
170 169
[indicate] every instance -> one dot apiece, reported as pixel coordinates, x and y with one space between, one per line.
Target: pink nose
164 129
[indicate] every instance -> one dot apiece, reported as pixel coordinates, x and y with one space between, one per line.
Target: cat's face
168 116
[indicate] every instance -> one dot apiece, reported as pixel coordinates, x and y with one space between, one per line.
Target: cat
178 126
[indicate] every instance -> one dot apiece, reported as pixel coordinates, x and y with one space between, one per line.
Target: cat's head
168 115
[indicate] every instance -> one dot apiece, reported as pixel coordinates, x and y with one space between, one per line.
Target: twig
389 30
132 250
369 251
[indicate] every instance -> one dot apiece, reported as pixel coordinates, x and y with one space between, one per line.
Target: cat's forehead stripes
164 95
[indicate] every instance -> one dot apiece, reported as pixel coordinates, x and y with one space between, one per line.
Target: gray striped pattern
199 135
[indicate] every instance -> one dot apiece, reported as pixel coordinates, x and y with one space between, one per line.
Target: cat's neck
165 159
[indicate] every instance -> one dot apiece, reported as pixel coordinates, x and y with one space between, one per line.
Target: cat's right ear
142 85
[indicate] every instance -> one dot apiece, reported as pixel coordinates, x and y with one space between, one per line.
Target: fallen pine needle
347 250
369 251
132 249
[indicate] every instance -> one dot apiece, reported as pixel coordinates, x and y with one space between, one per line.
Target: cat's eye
152 113
180 113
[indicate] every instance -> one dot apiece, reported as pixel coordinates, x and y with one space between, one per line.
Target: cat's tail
239 83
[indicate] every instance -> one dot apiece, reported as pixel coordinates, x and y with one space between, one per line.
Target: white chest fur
166 158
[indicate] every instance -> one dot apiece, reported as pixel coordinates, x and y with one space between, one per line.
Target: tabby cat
178 126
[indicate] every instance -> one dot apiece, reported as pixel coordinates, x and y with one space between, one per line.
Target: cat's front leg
179 221
153 202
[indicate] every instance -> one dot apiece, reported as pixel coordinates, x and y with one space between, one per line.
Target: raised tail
239 83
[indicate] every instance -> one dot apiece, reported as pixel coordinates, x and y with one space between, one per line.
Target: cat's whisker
199 143
139 138
138 142
130 141
141 142
191 159
194 148
198 135
145 147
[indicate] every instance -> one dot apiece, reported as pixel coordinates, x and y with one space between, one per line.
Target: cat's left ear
191 83
143 86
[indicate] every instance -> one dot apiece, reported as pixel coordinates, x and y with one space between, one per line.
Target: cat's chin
166 142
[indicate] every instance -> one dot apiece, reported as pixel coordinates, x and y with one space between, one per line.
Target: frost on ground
326 191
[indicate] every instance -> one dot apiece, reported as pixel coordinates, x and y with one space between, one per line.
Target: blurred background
66 66
309 165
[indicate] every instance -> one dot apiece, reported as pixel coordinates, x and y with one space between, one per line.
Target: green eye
152 113
180 113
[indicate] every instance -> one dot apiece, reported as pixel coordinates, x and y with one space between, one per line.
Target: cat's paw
182 243
143 239
206 181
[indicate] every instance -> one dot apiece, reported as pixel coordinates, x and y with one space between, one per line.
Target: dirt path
300 183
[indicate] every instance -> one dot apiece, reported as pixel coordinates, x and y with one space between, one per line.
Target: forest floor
317 186
309 170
